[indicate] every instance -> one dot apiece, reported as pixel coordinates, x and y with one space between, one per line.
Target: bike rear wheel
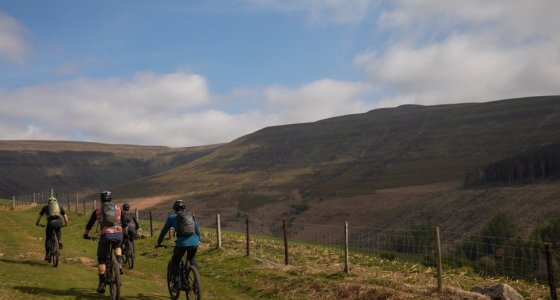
54 251
193 280
174 291
114 281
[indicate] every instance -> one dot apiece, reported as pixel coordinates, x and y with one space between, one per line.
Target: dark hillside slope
31 166
357 154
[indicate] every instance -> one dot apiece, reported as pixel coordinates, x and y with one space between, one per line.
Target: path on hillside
24 274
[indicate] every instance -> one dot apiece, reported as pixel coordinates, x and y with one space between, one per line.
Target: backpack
126 217
108 216
186 224
54 209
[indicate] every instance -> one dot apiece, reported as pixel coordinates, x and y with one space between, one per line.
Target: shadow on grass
80 293
26 262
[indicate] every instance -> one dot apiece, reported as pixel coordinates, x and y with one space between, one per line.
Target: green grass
314 272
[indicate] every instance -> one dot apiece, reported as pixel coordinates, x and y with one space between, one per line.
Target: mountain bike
128 252
112 274
54 250
189 280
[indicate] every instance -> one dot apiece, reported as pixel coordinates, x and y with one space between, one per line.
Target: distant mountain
33 166
358 154
391 167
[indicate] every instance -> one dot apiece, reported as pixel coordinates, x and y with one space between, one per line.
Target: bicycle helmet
126 206
105 196
179 205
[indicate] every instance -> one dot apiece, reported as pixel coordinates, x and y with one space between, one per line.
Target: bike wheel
193 280
54 250
124 253
114 280
130 255
174 291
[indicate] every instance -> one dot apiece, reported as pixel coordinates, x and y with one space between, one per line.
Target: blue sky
188 73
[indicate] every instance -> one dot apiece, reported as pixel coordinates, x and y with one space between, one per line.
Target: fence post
218 231
94 204
34 200
285 227
136 212
68 201
248 240
438 260
13 202
346 255
84 202
77 199
550 271
151 225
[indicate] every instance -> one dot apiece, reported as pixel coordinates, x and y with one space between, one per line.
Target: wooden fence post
151 225
346 254
285 229
77 204
68 201
550 271
248 239
136 212
438 260
13 202
218 231
84 202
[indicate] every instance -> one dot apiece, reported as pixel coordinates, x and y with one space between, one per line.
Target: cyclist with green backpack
188 236
55 214
109 217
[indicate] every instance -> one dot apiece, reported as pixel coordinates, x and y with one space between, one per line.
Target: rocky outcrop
499 292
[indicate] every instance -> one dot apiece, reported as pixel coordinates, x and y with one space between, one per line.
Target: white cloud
318 100
14 47
456 51
111 110
172 109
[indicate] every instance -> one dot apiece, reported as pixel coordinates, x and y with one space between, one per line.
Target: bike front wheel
130 255
194 287
114 278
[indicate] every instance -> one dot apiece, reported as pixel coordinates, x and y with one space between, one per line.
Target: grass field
314 272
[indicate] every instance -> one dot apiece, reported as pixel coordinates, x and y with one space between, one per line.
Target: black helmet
126 206
105 196
179 205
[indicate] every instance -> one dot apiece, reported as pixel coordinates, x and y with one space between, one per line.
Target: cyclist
55 215
129 223
185 243
109 217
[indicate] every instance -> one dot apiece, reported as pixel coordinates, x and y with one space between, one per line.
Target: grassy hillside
283 167
315 272
33 166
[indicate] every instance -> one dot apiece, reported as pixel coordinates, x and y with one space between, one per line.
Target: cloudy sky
189 73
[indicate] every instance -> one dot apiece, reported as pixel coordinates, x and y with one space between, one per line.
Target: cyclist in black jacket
129 223
55 214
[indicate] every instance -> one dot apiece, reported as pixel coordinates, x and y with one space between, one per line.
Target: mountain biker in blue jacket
183 244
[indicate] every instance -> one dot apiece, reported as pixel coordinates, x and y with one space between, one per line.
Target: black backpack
108 215
186 224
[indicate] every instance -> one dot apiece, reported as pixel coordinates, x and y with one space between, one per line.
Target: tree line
530 166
